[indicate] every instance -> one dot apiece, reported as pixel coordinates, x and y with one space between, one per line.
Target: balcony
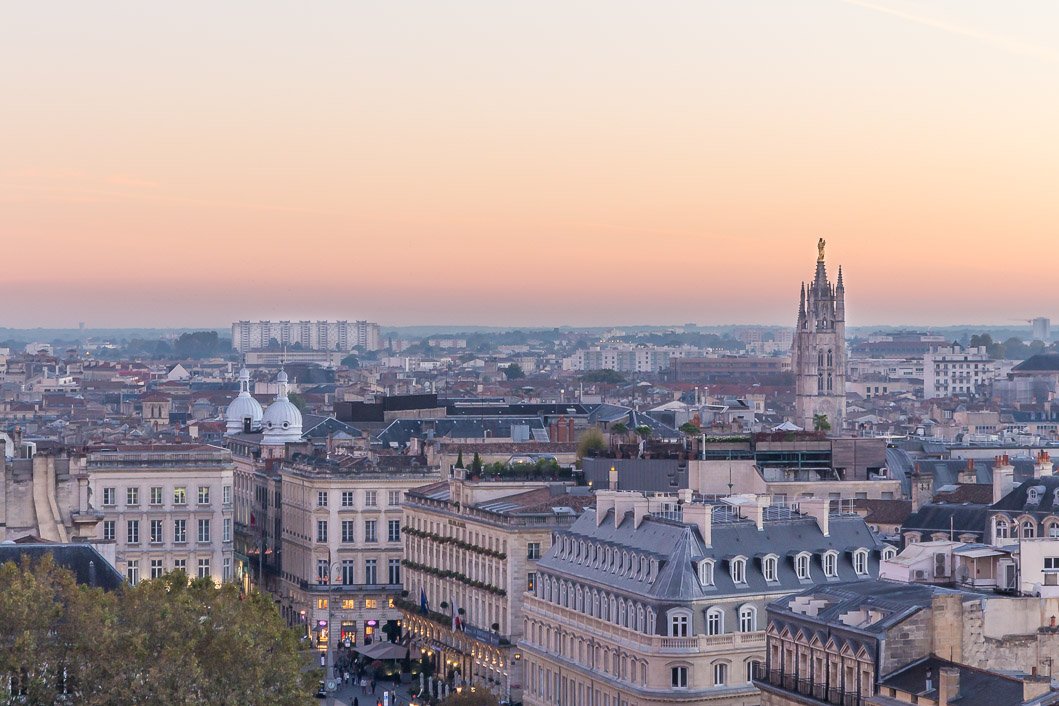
803 690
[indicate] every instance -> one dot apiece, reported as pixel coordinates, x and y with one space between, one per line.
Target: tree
514 372
607 376
459 459
476 464
643 431
690 429
621 429
351 361
479 697
821 423
590 443
298 401
198 344
168 640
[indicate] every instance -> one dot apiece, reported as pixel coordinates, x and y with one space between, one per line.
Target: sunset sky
526 163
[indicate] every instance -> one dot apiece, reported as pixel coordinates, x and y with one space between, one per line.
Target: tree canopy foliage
165 641
591 442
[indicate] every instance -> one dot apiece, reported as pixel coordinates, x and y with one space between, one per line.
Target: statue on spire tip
820 249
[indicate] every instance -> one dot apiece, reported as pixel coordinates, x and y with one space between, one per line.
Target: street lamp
326 659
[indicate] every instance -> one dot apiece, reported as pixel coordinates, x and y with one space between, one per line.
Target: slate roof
884 512
316 426
1021 499
679 548
401 431
1042 362
87 564
978 687
938 517
974 493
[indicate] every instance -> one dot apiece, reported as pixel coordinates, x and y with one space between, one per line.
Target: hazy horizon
521 164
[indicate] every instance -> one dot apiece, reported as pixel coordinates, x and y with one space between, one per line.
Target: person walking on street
364 685
373 686
356 701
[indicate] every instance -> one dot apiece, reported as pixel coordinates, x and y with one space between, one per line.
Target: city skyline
484 164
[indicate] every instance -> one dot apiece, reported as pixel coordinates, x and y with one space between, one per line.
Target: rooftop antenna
730 484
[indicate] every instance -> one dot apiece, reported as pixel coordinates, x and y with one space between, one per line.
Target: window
860 561
1052 530
227 570
349 604
394 498
108 497
204 568
132 496
226 494
204 495
394 569
370 535
322 576
890 552
393 531
753 668
739 570
531 581
679 624
768 568
108 530
371 498
180 496
533 550
348 534
204 531
321 498
371 603
321 530
830 564
156 568
371 571
679 677
747 619
347 571
321 604
132 532
1029 529
156 495
180 531
132 571
720 674
801 566
347 498
227 537
180 565
1001 528
706 572
156 532
714 621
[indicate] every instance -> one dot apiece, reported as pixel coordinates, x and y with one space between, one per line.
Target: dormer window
714 621
889 553
860 562
1002 529
801 565
739 570
831 564
770 568
706 572
1029 529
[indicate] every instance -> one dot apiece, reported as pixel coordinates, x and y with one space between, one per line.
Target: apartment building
165 508
471 552
311 335
957 371
342 542
662 601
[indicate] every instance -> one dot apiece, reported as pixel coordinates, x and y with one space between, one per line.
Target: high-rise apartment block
311 335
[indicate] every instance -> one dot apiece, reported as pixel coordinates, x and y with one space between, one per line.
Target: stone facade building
646 602
471 553
165 508
46 495
818 354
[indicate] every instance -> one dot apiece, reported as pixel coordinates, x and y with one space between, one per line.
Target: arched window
679 622
820 359
720 673
801 565
714 621
1052 529
739 570
604 608
831 564
770 568
706 572
753 668
860 561
639 618
889 552
747 618
830 362
621 611
1002 530
1029 529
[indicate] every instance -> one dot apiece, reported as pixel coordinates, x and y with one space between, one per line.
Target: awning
384 650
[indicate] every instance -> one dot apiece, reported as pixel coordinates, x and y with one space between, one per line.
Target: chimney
700 515
922 489
756 512
92 574
641 508
570 429
1003 477
604 502
819 509
967 475
948 685
1043 468
1035 686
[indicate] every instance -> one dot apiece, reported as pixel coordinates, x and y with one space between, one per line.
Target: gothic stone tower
818 354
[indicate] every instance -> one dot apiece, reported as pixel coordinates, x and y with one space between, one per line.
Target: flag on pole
424 606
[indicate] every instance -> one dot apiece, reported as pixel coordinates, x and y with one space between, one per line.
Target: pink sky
529 164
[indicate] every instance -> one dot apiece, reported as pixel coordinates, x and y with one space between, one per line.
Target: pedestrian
364 685
345 678
356 701
373 685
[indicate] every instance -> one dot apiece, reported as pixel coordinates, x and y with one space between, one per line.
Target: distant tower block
1042 329
818 353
